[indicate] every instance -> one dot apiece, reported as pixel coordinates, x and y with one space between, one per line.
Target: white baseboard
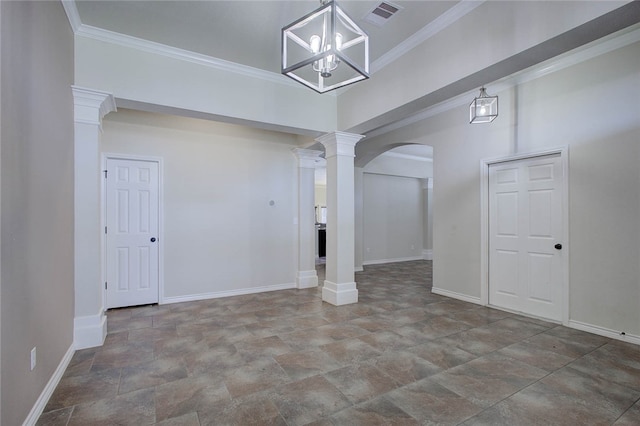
454 295
606 332
427 254
358 269
307 279
227 293
400 259
339 294
89 331
46 393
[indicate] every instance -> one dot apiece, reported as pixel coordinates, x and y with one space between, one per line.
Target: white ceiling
248 32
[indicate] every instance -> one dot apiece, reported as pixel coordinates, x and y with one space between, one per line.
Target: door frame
563 151
103 217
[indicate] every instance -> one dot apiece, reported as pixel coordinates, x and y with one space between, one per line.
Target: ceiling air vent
382 13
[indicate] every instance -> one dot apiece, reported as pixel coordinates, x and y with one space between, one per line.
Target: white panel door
132 211
526 268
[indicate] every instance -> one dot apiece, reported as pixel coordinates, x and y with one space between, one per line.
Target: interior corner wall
427 194
392 218
592 108
222 236
37 200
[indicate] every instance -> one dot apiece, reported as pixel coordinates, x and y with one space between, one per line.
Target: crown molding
433 28
88 31
73 16
90 106
113 37
581 54
100 34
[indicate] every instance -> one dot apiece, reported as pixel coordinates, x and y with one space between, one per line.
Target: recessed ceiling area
246 32
419 59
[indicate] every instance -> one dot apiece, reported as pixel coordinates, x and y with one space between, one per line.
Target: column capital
427 183
90 106
307 158
339 143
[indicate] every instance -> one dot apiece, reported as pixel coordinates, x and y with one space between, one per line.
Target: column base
339 294
307 279
89 331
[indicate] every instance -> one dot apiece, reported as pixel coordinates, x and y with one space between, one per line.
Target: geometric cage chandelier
484 108
325 49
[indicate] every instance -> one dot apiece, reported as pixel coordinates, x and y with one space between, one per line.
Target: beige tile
631 417
400 356
150 374
190 419
570 397
361 382
442 354
253 410
431 403
300 365
488 380
134 408
256 376
190 394
74 390
350 351
404 367
309 400
55 418
377 412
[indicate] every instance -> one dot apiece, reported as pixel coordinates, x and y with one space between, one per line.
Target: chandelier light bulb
338 41
314 43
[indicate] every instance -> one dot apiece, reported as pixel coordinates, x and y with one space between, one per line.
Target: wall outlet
33 358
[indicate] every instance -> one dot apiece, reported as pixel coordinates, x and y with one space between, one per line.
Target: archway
393 197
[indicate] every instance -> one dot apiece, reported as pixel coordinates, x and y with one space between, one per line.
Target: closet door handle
558 246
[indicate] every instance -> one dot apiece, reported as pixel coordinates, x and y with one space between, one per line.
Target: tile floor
401 356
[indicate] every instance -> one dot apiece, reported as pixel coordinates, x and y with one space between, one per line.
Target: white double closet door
526 264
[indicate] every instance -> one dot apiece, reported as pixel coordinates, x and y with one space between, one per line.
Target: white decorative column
339 286
359 218
90 326
307 160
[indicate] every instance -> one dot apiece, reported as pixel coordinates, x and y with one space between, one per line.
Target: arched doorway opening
394 200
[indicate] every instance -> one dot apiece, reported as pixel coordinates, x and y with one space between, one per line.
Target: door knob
558 246
153 240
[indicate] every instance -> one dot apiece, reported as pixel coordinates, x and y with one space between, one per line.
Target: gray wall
37 199
393 218
390 209
592 108
220 232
